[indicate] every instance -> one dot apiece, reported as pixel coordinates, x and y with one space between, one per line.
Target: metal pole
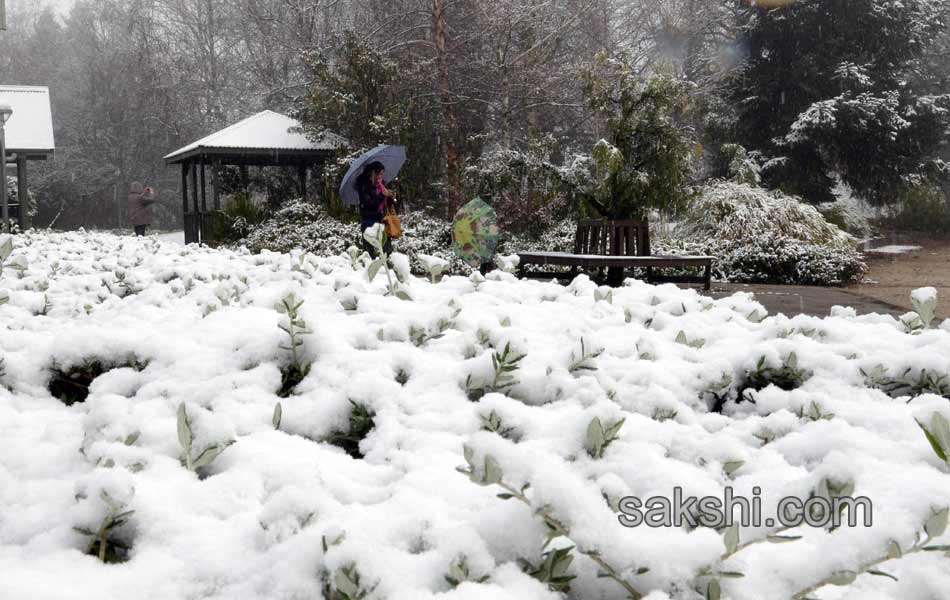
5 211
23 194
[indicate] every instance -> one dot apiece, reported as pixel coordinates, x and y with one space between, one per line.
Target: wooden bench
618 244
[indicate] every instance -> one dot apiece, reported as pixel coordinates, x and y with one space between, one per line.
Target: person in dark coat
141 199
374 199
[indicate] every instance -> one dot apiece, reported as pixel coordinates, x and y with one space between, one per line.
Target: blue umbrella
392 157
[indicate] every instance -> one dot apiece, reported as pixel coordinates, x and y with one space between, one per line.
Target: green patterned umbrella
475 232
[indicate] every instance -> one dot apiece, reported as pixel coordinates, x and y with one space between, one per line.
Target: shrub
922 208
846 214
525 188
786 377
239 217
557 238
734 212
361 423
427 235
299 224
762 237
71 384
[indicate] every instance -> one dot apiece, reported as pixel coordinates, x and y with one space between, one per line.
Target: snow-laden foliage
755 237
557 238
847 215
758 236
813 94
742 166
300 224
523 186
554 402
647 158
303 225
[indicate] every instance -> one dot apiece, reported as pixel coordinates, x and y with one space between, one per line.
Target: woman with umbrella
364 185
374 199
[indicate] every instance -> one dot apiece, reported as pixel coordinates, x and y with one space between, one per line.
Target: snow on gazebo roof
30 128
266 132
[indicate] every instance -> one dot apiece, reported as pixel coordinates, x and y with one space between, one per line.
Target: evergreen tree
837 87
645 160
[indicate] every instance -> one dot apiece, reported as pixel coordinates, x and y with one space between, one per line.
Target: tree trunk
506 107
449 129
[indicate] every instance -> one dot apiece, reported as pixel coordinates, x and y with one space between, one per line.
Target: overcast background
61 5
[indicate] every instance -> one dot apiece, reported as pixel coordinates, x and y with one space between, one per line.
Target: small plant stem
561 530
293 340
745 545
102 545
612 573
389 277
863 568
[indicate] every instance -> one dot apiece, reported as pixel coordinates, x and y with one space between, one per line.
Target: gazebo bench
618 244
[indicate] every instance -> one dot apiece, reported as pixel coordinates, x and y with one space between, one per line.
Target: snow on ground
172 237
894 249
281 508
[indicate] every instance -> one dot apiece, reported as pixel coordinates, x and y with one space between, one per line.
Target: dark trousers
140 229
387 247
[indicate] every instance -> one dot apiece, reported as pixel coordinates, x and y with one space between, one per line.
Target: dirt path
893 277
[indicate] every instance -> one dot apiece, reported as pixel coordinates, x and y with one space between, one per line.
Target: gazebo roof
30 129
266 136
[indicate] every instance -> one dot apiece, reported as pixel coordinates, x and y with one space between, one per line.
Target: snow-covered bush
557 238
432 236
847 215
300 224
434 266
740 166
524 187
556 402
924 301
757 236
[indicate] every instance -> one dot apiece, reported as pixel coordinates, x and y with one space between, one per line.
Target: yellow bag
392 224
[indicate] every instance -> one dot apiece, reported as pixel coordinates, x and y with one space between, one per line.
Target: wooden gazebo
266 139
29 136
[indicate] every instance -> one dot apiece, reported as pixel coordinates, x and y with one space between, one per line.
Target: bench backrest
612 238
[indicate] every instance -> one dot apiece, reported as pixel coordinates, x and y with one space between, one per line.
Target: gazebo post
215 200
184 202
206 230
204 188
22 194
302 174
